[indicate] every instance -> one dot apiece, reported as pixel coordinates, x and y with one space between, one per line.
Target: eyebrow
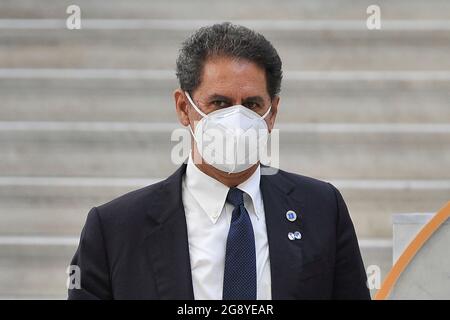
257 99
218 97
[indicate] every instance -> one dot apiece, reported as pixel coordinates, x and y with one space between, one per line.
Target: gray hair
229 40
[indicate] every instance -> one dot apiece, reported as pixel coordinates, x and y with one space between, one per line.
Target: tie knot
235 197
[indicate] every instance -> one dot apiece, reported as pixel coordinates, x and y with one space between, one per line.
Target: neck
228 179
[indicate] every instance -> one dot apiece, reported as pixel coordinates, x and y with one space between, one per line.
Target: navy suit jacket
136 246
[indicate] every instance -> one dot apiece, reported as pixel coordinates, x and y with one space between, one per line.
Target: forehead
236 78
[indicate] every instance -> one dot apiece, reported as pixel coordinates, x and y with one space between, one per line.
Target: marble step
356 101
299 50
334 151
251 9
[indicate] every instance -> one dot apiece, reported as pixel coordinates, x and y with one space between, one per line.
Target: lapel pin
297 235
291 215
291 236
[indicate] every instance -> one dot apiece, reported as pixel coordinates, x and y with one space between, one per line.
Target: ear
181 106
270 119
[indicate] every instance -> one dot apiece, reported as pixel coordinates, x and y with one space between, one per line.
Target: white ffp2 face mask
230 139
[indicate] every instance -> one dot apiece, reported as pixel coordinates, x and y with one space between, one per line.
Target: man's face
226 82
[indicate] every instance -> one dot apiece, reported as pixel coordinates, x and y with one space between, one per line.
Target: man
217 229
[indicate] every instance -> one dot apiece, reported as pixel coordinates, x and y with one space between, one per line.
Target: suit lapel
168 248
167 241
286 256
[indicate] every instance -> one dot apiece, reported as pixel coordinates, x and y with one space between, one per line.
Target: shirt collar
212 194
251 188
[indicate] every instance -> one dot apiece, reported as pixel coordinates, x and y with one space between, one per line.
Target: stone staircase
86 115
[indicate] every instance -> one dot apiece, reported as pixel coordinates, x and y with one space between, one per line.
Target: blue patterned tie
239 281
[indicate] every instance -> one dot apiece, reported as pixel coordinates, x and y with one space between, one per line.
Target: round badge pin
297 235
291 236
291 215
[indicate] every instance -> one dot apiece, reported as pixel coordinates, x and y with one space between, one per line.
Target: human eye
219 104
252 105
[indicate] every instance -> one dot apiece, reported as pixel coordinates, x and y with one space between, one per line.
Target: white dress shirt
208 219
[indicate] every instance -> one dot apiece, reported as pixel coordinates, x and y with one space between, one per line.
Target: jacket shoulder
318 193
307 183
131 198
129 208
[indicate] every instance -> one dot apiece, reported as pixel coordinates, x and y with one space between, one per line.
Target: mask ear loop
267 112
196 109
193 104
199 111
